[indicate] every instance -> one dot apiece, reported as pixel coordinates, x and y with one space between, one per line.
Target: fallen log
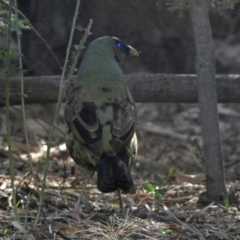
144 88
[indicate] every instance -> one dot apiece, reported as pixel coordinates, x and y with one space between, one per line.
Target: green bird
101 117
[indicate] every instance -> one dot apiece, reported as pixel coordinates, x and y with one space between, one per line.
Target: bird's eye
120 45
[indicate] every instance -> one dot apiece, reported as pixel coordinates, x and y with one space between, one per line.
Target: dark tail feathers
114 173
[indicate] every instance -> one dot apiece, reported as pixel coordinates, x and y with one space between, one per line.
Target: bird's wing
81 116
83 119
123 123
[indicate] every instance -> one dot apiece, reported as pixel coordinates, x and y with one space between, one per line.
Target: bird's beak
133 52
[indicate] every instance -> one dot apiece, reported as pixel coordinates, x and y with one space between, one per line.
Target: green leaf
77 46
148 186
80 28
9 53
226 204
166 231
6 231
158 195
18 204
171 171
24 21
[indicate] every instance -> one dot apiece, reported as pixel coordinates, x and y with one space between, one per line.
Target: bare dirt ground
169 165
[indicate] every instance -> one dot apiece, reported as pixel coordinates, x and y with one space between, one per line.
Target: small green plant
171 172
155 189
6 231
166 231
16 24
226 204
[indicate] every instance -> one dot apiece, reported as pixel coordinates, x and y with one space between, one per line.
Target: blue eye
120 45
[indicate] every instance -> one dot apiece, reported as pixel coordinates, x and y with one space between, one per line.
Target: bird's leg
77 206
120 198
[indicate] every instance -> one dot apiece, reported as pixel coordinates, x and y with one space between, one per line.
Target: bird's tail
113 173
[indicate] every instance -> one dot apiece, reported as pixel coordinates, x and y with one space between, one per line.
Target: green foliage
226 204
148 186
80 28
6 231
156 191
18 204
7 52
15 25
166 231
12 25
171 172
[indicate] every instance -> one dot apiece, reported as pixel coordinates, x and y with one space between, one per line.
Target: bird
101 116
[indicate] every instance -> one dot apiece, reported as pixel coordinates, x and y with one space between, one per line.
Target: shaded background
163 37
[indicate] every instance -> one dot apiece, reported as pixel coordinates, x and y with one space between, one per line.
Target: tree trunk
205 68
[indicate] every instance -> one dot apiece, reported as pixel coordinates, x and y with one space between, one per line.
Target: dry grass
176 216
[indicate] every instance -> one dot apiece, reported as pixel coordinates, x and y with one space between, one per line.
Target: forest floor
168 175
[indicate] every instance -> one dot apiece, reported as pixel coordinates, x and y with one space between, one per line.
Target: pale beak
133 52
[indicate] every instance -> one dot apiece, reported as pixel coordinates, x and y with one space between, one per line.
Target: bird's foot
87 206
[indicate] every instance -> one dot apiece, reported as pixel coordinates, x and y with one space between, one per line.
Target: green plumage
101 116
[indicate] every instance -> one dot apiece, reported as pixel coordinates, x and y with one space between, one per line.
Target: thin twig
56 115
38 118
18 32
7 101
78 52
62 235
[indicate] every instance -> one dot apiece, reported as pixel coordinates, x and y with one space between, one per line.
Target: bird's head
120 49
113 46
106 53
